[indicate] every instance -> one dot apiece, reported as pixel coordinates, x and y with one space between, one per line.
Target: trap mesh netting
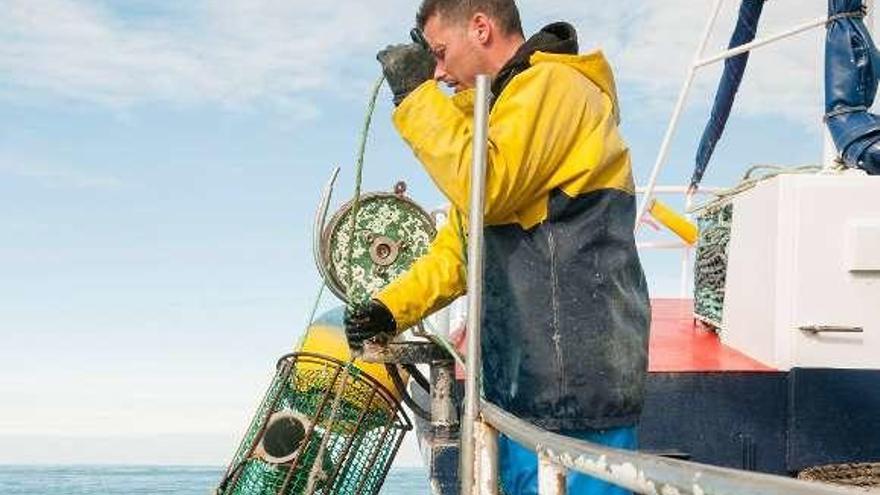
323 427
710 270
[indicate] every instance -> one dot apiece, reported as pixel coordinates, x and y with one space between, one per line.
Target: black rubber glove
368 321
406 67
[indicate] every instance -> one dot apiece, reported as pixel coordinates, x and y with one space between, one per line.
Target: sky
161 162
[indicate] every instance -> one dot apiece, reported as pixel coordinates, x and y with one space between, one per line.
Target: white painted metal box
803 274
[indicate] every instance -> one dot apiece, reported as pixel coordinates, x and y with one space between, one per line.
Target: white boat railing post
551 476
747 47
676 115
686 251
829 149
869 23
474 285
487 459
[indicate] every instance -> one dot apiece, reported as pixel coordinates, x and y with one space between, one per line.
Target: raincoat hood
557 42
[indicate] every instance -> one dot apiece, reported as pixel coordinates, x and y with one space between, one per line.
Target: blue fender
852 67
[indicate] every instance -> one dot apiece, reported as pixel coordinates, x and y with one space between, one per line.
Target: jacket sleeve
532 128
433 281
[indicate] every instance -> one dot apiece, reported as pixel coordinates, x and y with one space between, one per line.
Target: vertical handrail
487 459
676 115
686 256
474 284
551 476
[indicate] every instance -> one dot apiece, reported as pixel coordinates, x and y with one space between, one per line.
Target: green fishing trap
710 265
323 427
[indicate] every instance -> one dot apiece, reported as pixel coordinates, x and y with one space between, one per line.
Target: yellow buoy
329 340
681 226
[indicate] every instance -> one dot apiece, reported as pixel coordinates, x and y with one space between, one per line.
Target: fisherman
566 310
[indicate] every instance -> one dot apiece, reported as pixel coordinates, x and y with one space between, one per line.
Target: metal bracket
817 329
406 353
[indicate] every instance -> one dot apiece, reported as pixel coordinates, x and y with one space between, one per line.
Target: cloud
651 45
282 53
55 176
235 52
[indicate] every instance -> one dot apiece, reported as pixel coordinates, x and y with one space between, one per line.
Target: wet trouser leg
519 465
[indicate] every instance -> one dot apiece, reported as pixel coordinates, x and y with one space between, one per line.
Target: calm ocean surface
143 480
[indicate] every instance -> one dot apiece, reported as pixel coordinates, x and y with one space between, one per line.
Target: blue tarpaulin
734 68
851 71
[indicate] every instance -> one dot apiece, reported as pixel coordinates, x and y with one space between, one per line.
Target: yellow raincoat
561 267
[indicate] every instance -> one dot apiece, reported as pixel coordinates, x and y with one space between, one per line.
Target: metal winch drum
331 424
390 233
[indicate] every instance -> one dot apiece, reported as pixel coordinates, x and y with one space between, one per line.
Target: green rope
316 303
359 170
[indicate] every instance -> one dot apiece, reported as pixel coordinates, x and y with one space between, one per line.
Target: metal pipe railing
474 284
680 190
643 473
661 245
676 115
732 52
487 460
699 63
688 250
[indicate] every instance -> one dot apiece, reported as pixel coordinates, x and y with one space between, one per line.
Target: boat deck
679 343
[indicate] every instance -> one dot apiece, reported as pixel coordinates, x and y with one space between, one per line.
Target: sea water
152 480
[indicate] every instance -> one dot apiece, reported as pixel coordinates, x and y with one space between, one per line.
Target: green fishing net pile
710 270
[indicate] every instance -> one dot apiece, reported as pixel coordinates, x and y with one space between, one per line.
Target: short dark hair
503 11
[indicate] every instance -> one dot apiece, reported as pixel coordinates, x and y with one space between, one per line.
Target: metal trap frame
323 427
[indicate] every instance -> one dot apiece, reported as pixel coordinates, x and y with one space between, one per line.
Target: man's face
459 54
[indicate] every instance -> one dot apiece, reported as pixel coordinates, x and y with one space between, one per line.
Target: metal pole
681 190
869 23
661 245
474 284
551 476
829 149
487 459
806 26
676 114
686 256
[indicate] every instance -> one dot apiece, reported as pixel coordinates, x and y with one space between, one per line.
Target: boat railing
635 471
701 61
